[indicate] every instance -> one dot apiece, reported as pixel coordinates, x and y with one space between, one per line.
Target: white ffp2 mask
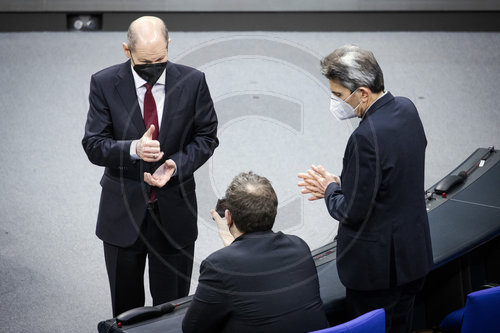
341 109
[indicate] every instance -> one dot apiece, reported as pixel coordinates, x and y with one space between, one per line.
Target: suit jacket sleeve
204 139
99 142
351 203
209 308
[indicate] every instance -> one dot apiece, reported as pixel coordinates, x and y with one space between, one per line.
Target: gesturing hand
222 228
316 181
162 175
147 148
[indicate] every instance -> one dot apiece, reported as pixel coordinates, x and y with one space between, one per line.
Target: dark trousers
397 302
169 268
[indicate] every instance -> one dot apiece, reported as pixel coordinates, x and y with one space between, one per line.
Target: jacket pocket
359 235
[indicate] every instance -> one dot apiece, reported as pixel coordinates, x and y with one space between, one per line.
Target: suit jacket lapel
172 94
126 89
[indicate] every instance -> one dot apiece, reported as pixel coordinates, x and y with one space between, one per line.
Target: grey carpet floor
274 119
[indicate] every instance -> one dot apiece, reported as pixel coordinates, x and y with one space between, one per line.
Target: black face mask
150 72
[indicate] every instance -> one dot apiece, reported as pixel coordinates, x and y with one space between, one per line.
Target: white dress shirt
159 96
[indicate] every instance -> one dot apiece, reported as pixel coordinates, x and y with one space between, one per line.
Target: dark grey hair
353 67
132 35
252 202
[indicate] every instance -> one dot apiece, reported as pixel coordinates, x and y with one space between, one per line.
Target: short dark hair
132 35
353 67
252 202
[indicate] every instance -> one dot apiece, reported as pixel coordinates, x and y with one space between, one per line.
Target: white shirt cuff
133 151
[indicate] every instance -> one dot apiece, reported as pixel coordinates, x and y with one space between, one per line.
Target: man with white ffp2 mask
383 245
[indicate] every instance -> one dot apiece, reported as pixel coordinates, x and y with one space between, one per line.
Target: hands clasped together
149 151
316 181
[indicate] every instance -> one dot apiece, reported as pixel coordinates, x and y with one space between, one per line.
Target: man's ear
365 94
229 218
126 50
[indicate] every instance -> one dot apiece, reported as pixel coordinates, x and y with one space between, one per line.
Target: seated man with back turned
264 281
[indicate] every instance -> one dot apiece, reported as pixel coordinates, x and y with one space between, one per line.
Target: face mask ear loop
131 57
345 100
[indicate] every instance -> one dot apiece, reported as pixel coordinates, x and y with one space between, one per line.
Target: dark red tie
151 118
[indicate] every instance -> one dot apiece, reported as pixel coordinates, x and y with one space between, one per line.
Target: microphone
143 313
449 182
166 308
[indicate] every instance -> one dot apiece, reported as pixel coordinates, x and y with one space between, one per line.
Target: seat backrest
371 322
482 311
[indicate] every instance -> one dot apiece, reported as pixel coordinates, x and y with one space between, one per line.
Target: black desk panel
458 227
484 190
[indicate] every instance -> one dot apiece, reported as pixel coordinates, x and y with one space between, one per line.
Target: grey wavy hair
353 67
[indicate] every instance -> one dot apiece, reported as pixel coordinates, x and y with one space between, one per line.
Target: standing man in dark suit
383 245
151 124
263 281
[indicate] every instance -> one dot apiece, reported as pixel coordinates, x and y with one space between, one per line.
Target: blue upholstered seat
480 314
371 322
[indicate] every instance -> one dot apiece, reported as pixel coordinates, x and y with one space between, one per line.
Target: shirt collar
139 81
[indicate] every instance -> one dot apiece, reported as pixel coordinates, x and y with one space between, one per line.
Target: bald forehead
147 22
148 30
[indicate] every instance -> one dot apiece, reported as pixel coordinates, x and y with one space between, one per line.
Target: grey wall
274 119
258 15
